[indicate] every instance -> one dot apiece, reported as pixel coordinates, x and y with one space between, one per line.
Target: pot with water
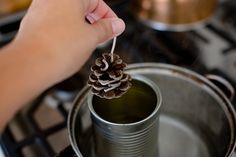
196 118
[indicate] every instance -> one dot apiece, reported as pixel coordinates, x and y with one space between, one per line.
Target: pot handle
67 152
223 84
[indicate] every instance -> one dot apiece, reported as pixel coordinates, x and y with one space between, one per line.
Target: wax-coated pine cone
108 79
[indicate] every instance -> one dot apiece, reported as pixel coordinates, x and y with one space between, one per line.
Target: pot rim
177 71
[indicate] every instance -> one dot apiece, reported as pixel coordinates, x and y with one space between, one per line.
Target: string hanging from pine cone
108 79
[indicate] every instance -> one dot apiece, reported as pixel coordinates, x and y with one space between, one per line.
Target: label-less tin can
127 126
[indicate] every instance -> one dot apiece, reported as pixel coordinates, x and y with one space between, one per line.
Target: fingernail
94 16
90 19
118 26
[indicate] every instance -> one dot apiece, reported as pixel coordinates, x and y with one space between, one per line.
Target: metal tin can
127 126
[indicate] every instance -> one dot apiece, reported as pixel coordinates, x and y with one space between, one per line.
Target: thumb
107 28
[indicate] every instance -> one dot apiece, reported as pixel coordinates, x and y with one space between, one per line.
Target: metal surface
11 6
175 15
196 117
223 84
124 127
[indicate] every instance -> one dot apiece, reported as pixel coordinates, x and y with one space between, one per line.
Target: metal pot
174 15
12 6
196 119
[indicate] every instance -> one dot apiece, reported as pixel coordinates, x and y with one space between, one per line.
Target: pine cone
108 79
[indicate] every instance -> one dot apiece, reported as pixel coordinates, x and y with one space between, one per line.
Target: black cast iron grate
14 149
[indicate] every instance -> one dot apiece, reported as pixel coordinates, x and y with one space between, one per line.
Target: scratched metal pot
174 15
196 119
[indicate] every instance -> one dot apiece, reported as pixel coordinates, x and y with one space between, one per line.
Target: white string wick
113 48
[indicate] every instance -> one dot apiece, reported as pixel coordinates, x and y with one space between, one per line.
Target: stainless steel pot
174 15
196 120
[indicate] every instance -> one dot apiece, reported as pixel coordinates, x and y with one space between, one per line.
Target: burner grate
37 141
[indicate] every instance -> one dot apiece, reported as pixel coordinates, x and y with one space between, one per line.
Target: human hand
53 42
57 32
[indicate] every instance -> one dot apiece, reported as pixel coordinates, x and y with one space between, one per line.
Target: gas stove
39 129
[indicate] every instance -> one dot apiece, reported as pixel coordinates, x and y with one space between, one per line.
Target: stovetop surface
40 128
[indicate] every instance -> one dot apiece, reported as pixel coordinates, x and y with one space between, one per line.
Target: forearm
24 74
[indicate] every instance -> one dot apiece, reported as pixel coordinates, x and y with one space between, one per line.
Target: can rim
143 79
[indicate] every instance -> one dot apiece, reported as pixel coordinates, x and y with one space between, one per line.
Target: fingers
104 22
98 9
105 29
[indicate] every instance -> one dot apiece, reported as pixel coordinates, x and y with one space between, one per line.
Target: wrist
35 60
